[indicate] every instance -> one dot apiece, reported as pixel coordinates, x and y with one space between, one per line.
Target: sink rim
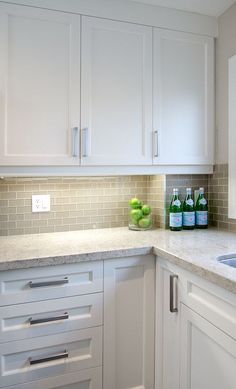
228 260
223 258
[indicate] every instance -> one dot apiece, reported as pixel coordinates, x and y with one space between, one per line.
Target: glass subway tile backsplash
101 202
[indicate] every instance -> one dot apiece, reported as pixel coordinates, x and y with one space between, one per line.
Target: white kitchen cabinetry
129 307
116 95
51 327
142 101
203 333
208 354
183 98
167 329
39 86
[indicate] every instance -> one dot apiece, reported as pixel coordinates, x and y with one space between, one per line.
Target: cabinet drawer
37 358
35 284
50 317
215 304
85 379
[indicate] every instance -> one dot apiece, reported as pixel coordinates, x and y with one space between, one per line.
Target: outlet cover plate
41 203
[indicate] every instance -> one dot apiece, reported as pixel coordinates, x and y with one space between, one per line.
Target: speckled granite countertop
195 250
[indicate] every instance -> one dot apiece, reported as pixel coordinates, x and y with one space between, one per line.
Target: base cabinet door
208 355
167 329
129 309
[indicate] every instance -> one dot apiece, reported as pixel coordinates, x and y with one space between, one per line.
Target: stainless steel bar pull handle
32 321
75 142
62 355
48 283
155 143
173 293
85 142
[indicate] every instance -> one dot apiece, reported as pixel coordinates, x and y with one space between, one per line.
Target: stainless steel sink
229 260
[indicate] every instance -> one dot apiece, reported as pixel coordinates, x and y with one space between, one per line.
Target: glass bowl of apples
140 215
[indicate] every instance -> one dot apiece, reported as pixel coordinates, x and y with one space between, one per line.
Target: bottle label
202 218
203 202
190 202
177 203
176 219
188 219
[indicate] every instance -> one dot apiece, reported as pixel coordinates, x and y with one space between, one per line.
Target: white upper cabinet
116 96
39 86
183 105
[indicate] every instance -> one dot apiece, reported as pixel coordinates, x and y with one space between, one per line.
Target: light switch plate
41 203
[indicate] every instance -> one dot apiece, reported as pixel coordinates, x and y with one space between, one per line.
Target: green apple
136 214
135 203
145 222
146 209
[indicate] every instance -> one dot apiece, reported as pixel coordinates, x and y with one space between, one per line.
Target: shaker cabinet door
116 96
183 105
129 309
39 86
208 355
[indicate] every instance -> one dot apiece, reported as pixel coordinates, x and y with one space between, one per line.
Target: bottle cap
201 190
188 190
175 191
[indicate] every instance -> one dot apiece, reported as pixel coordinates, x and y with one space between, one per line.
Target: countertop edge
74 258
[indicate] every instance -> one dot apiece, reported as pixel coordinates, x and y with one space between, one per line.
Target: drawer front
85 379
49 356
35 284
50 317
214 303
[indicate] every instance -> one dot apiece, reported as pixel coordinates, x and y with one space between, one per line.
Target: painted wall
225 48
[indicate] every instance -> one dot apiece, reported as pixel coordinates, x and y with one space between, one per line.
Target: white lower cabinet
85 379
167 328
129 310
208 355
37 358
196 342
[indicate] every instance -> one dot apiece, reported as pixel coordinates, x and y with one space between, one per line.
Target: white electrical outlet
40 203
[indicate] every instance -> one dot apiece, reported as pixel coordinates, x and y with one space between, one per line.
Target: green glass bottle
201 210
175 212
188 211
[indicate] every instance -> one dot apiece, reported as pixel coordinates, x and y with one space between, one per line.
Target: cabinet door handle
32 321
85 142
48 283
75 142
173 293
155 143
62 355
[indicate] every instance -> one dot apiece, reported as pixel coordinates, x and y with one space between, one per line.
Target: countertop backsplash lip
195 251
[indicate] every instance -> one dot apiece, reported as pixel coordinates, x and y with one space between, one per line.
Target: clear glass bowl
143 224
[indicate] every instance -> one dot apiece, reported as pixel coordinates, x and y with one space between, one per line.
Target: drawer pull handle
62 355
48 283
48 319
173 293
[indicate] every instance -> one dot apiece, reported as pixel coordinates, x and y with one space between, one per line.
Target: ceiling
206 7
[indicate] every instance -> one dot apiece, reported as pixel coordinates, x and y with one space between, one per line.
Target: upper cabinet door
39 86
183 105
116 99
